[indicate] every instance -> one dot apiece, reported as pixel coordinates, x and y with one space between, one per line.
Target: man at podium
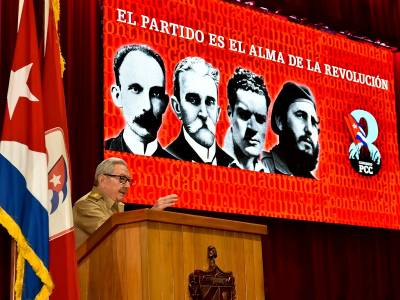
111 183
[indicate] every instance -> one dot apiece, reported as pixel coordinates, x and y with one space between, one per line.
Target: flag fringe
25 252
56 10
56 13
19 276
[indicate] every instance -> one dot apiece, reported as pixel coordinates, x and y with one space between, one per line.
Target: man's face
141 94
111 186
248 120
198 106
303 123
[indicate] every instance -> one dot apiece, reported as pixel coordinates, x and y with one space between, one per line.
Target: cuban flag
356 130
35 205
23 163
63 265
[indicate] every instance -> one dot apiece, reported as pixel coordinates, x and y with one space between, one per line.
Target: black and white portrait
247 110
195 103
294 119
139 91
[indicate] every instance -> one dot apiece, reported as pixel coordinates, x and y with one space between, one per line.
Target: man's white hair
107 167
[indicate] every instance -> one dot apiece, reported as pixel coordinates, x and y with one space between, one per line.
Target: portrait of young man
195 103
248 108
139 91
294 119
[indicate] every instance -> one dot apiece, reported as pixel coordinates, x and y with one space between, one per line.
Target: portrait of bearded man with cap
294 119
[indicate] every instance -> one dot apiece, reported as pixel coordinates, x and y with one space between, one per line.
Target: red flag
63 266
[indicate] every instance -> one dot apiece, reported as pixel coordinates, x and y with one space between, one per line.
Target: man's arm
164 202
89 216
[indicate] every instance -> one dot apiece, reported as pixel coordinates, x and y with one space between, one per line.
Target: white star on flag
56 180
18 87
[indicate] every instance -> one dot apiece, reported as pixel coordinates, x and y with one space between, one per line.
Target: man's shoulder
180 148
267 160
223 158
163 153
116 143
174 145
265 155
91 199
274 162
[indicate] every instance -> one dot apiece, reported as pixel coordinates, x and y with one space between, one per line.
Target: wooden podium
147 254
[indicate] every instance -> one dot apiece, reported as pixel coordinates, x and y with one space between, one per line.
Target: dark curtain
80 31
302 260
8 21
305 260
377 19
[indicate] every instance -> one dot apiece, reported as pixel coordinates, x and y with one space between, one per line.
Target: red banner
341 174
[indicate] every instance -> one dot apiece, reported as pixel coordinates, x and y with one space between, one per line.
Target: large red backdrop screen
343 75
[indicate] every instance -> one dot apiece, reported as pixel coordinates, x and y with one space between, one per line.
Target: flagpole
13 266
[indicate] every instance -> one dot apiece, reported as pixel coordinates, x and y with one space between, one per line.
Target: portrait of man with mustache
294 119
195 103
248 107
139 91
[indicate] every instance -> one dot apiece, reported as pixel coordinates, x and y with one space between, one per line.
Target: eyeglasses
121 178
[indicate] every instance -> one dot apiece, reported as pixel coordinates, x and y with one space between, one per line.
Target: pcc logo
364 155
